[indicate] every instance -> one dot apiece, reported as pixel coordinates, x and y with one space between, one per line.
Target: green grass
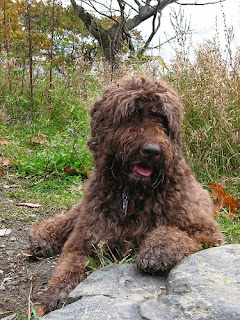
42 167
104 256
230 228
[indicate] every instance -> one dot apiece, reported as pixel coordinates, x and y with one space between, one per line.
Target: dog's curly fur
141 192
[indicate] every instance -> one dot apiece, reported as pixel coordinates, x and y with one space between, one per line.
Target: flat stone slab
203 286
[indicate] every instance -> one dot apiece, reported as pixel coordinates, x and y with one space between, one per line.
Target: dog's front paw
156 259
40 247
55 297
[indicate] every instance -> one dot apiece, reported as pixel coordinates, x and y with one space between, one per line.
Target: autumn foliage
223 200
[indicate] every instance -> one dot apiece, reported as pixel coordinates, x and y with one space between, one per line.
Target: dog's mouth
142 171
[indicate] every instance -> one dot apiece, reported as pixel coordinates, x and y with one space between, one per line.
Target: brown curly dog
141 192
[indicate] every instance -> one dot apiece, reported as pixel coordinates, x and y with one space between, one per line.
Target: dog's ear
96 123
174 117
172 109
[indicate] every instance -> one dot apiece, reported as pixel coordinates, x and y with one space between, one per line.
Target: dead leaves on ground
4 141
4 163
223 200
78 187
40 139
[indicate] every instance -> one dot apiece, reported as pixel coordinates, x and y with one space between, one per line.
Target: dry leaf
4 141
79 187
223 200
1 172
28 204
70 171
231 216
39 140
6 163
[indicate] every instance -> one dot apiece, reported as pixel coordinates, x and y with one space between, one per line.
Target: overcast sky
205 23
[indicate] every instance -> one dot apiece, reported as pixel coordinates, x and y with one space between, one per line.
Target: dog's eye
138 112
162 119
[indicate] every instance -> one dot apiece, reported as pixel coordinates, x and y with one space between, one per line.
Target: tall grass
210 90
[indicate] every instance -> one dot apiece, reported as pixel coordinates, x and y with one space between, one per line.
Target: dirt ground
22 278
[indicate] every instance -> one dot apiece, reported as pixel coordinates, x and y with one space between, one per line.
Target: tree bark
52 43
29 26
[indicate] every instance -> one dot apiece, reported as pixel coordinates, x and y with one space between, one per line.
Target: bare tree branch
137 3
146 12
199 4
101 13
154 31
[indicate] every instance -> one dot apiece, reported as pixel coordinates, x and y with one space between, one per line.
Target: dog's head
135 129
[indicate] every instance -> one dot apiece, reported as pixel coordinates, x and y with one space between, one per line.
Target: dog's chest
129 209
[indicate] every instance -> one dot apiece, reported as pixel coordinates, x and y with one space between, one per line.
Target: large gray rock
205 285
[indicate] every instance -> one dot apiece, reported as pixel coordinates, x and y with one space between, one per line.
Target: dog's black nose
151 149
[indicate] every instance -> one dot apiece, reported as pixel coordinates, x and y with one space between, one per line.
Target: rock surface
205 285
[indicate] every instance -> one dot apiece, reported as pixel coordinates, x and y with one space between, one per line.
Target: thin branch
89 3
167 41
146 12
137 3
199 4
154 31
131 7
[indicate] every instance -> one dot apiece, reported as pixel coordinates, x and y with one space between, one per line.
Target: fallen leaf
223 200
6 163
231 216
79 187
4 141
28 204
70 171
40 139
1 172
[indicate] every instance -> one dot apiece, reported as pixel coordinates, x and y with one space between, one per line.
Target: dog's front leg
71 267
163 248
69 272
48 237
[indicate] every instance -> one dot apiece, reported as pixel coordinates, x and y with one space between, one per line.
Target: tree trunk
52 43
30 51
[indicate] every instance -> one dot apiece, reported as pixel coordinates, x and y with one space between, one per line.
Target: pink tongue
146 172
